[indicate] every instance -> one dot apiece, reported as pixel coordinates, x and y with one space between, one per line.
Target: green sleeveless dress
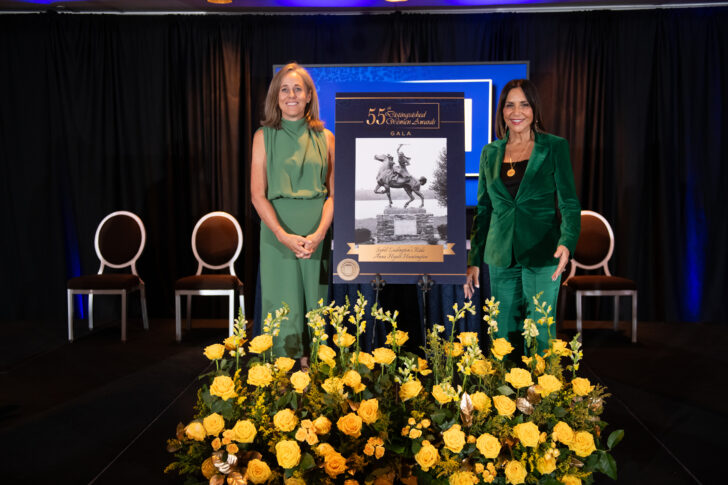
297 167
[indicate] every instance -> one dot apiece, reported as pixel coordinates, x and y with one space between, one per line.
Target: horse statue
398 177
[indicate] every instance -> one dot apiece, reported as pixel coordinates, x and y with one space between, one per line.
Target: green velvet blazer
526 227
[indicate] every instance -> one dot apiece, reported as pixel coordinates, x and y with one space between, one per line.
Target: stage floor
99 411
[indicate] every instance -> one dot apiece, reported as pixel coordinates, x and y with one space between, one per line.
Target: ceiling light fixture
220 1
395 1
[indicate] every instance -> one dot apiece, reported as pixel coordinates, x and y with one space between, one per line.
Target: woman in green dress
292 189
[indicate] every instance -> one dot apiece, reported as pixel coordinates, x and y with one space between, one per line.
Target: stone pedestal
411 224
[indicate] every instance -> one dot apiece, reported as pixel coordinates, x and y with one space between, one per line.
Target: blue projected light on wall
481 83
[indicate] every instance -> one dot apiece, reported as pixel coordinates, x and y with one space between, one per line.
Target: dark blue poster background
399 187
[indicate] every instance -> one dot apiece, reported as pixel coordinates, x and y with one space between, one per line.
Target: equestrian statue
397 177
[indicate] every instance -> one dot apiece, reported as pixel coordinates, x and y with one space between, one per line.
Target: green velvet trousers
300 283
514 288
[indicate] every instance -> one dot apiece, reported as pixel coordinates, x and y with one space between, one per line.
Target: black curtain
155 114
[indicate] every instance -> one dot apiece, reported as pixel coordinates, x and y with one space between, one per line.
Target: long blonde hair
273 110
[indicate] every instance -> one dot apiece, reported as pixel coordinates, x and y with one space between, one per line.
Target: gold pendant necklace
512 171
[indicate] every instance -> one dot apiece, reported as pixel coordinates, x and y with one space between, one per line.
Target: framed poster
399 187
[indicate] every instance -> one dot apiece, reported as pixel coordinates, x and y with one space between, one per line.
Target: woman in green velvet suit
527 220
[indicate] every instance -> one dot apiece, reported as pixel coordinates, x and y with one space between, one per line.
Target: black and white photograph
401 191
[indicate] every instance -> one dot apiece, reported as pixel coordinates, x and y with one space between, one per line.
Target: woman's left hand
562 253
312 243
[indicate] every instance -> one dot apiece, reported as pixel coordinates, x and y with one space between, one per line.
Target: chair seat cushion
600 282
112 281
208 282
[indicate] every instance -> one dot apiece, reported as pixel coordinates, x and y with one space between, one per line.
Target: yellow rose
468 338
223 387
383 356
562 432
351 482
294 481
350 425
515 472
284 364
488 445
213 424
482 367
581 386
324 449
546 465
570 480
365 359
321 425
481 402
455 349
369 410
454 438
548 384
415 433
299 381
258 471
501 348
334 464
527 433
463 478
327 355
208 468
428 456
260 344
232 448
288 453
582 444
353 379
244 431
285 420
259 376
195 431
333 385
519 378
504 405
344 339
410 389
214 351
401 338
439 394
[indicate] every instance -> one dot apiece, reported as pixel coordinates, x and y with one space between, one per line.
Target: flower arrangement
457 416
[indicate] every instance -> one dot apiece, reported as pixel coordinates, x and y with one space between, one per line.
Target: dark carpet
99 411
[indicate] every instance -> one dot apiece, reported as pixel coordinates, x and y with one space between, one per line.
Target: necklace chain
512 171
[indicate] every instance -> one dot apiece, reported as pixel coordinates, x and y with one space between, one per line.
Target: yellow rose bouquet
460 412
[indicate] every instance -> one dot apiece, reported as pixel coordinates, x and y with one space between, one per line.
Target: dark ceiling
327 6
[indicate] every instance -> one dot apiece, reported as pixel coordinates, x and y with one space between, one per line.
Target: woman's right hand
296 244
472 281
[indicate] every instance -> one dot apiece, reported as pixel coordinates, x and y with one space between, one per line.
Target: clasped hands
302 247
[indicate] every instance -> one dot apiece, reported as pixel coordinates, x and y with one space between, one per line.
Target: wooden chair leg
616 312
578 316
69 298
634 317
178 317
91 311
231 310
145 318
123 316
189 312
